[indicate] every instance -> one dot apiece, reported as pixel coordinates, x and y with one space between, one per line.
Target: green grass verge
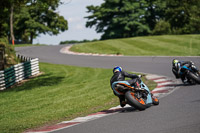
61 93
165 45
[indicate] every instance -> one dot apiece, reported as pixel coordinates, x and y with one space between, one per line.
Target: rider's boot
155 100
122 101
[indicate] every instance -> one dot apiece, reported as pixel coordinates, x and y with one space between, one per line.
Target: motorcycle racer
176 68
119 76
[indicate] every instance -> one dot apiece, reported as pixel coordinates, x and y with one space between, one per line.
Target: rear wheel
138 103
194 77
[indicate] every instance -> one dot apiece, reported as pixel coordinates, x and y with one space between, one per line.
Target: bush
9 53
162 28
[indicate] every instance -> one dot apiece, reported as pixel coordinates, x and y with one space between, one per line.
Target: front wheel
138 103
194 77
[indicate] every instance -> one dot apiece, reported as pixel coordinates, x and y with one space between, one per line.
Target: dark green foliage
116 19
31 18
39 17
183 15
154 12
162 28
5 7
75 41
125 18
128 18
9 55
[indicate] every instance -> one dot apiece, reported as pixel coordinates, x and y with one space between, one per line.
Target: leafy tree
155 11
39 17
183 15
5 10
3 19
125 18
31 18
118 18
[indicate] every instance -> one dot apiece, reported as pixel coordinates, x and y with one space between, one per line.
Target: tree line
129 18
76 41
24 20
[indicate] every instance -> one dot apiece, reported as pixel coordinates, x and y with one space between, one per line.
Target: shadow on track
181 84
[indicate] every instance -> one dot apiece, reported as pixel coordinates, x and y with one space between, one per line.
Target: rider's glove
140 76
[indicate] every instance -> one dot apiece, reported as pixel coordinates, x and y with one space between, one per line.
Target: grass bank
61 93
165 45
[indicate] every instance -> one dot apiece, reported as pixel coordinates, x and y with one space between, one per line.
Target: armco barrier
19 72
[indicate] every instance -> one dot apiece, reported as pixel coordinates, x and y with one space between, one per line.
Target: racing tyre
135 102
193 77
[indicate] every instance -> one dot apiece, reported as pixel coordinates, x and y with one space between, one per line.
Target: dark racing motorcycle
190 74
137 95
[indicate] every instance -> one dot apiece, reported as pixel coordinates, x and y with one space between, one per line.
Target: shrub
162 28
9 54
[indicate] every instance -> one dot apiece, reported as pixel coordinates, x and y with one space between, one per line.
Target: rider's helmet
117 69
175 63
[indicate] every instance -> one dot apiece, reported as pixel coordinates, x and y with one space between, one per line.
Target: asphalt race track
178 112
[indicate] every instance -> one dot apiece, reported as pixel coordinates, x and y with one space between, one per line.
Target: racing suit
120 76
176 69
